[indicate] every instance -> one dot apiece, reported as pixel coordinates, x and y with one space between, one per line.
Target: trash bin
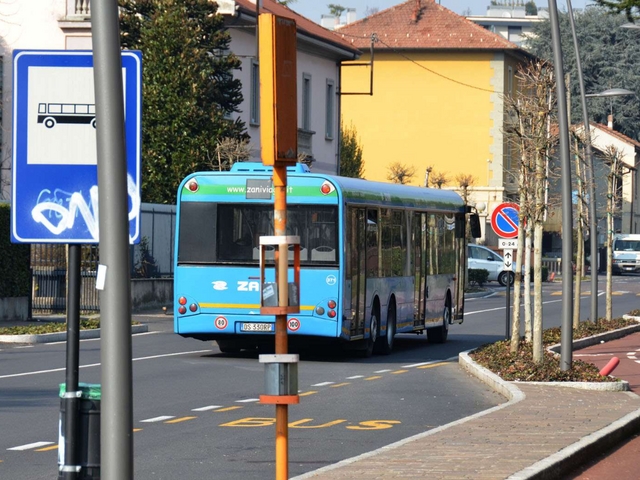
89 431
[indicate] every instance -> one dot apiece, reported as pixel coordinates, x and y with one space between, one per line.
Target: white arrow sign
508 259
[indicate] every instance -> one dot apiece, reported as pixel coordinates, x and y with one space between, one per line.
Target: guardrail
554 265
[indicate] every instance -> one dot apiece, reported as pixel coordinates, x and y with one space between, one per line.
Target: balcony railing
78 8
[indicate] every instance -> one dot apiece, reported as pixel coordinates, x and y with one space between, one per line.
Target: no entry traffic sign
504 220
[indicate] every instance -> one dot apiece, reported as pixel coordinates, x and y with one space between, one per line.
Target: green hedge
478 276
15 277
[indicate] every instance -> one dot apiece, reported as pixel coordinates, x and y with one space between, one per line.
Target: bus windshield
221 233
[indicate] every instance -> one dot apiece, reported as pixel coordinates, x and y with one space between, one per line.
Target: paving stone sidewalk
544 431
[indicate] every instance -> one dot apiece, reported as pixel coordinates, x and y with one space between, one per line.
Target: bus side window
372 243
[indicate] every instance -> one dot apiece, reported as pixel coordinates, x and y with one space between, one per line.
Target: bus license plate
257 327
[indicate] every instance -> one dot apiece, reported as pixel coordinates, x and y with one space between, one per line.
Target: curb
60 336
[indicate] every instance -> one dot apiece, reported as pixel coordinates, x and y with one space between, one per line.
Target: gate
49 278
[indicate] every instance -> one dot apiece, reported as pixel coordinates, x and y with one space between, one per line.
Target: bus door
356 269
421 260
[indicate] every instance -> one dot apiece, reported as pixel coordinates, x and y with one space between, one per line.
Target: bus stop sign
54 184
504 220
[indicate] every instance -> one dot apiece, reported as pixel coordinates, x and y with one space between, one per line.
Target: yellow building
437 99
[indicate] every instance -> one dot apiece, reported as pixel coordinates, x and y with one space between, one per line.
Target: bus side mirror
474 224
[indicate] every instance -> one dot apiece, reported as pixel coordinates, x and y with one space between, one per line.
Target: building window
330 120
255 93
510 80
515 35
306 101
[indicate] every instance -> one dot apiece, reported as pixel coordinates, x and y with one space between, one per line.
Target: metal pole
508 317
282 346
71 467
566 340
116 420
593 221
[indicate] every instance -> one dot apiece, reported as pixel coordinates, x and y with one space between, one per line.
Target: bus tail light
193 307
182 300
319 310
182 309
331 304
332 314
192 186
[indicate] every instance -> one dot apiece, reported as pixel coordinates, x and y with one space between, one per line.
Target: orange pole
280 228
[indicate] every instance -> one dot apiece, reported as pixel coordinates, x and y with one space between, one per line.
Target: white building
66 25
511 22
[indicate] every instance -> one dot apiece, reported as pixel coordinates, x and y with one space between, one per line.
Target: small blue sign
54 187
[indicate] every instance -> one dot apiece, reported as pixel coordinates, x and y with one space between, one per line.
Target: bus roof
354 190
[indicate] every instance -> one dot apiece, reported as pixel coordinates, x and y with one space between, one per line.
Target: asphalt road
196 413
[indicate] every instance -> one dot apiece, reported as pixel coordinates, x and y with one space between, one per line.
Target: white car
480 257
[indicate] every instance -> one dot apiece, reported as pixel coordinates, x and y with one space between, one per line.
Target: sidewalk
544 431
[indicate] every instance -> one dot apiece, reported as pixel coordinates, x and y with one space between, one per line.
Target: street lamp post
593 225
566 346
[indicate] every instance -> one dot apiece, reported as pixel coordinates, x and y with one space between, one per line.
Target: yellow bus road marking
306 394
46 449
181 419
340 385
397 372
375 377
434 365
618 293
137 430
556 294
227 409
253 422
586 294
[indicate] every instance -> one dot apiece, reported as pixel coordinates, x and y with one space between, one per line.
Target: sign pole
71 466
279 139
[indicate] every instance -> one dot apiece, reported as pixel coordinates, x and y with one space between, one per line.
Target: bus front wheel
49 122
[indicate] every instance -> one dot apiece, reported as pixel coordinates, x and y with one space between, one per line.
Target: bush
15 275
478 276
545 274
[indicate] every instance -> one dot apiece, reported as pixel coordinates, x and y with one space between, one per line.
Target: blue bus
376 259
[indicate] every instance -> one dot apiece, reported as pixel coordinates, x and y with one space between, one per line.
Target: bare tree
581 226
527 131
399 173
614 178
229 151
438 179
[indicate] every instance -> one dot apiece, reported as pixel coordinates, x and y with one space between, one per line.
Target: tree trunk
528 327
610 205
537 286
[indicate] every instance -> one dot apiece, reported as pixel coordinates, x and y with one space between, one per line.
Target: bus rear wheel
440 334
49 122
369 343
385 342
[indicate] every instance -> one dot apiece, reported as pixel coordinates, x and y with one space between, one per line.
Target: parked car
480 257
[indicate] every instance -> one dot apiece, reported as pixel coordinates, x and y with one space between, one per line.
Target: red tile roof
620 136
421 24
303 24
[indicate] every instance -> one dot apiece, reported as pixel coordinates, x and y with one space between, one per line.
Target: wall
151 293
325 151
421 119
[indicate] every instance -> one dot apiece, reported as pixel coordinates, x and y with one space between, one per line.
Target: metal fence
152 257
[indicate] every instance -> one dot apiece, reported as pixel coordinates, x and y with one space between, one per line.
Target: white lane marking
421 364
157 419
37 372
98 339
30 446
592 354
382 371
355 376
204 409
322 384
248 400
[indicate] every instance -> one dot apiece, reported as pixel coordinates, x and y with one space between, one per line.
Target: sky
313 9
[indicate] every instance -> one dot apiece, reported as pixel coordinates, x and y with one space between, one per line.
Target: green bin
89 430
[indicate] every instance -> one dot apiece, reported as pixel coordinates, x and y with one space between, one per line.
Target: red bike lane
623 462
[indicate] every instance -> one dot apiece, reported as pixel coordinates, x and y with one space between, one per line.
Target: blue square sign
54 187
